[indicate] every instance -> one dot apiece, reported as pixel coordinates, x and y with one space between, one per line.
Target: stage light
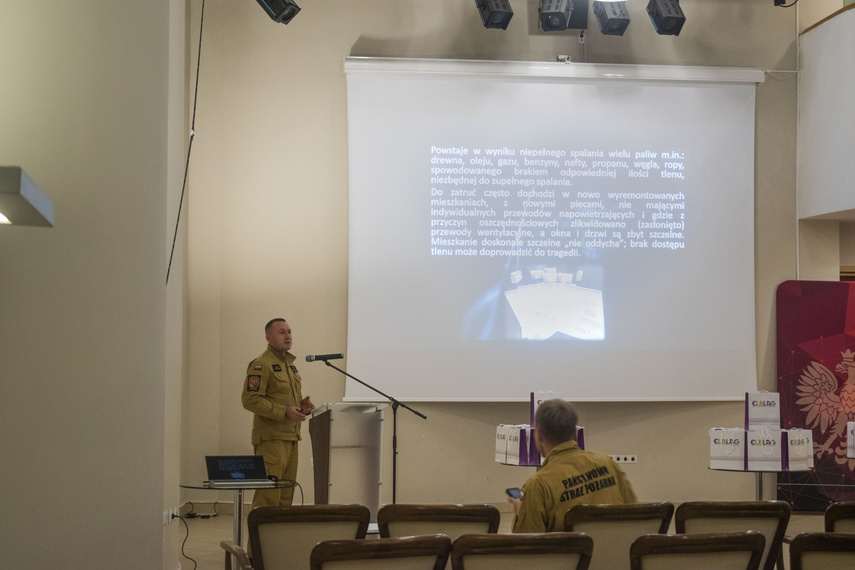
495 14
612 17
554 14
667 17
282 11
22 202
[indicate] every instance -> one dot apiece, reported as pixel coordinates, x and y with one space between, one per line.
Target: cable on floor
186 536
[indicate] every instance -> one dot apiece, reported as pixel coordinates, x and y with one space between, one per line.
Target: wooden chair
399 553
840 517
767 517
543 551
239 554
822 551
615 527
702 551
451 520
283 537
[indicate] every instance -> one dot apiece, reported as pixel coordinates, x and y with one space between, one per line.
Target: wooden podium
346 454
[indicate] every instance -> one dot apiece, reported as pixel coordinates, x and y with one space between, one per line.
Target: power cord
194 515
302 498
276 479
190 145
186 536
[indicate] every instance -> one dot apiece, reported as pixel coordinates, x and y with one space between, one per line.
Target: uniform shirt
272 384
569 476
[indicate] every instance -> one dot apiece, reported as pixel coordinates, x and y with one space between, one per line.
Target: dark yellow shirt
569 476
272 384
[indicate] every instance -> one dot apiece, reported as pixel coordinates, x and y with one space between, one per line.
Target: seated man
569 475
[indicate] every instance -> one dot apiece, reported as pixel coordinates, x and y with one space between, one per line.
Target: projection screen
517 227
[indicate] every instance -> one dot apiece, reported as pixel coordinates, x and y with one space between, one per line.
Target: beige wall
268 225
847 244
810 13
85 101
175 301
819 250
92 345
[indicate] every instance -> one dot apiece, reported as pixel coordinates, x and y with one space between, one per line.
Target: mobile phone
514 492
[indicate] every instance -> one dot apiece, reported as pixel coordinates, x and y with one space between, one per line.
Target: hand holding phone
514 492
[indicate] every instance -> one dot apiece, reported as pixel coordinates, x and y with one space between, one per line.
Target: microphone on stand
323 357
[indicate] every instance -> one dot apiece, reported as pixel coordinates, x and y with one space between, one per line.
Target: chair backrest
451 520
840 517
544 551
282 537
722 551
822 551
768 517
428 552
615 527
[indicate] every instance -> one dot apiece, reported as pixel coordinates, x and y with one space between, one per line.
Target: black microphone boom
323 357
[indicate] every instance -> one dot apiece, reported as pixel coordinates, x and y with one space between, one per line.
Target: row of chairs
544 551
620 525
732 534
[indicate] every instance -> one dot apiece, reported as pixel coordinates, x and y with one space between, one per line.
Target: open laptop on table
232 471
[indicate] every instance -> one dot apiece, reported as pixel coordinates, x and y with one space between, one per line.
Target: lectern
346 454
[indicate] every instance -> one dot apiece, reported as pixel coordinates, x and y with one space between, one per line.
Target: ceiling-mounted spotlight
495 14
554 14
667 17
282 11
612 17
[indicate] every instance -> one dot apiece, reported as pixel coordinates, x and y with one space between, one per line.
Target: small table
238 489
758 478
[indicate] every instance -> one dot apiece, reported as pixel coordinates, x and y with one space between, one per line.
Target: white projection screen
517 227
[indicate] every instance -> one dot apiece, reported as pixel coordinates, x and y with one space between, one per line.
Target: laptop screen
235 467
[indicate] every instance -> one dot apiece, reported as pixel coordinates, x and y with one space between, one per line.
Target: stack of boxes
761 445
515 443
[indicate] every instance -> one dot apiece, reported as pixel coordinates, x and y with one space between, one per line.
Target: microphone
323 357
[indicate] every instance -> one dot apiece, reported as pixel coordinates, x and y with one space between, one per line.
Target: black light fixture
667 17
554 14
495 14
612 17
282 11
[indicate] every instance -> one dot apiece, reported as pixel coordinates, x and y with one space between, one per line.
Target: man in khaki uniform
272 391
569 475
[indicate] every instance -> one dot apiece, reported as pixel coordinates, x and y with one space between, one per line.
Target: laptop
236 471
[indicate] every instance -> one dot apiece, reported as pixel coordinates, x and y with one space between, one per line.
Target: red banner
816 382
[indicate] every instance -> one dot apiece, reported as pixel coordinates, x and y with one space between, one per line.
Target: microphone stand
395 405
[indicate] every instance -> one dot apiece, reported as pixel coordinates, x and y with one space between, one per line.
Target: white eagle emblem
829 406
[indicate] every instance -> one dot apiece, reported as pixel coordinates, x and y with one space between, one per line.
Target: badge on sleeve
257 367
253 383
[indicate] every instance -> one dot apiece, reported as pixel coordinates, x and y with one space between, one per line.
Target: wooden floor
201 550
